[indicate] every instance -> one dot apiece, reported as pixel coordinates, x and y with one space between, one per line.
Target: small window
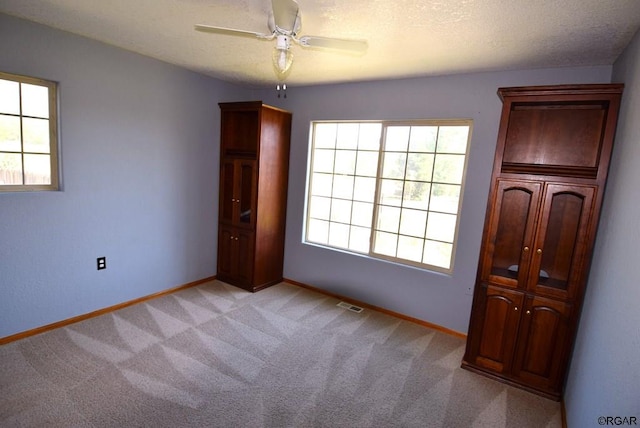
28 134
391 190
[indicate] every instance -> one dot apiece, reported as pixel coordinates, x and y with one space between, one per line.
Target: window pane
416 195
9 133
423 139
28 144
10 168
386 243
394 165
362 214
35 100
320 207
323 160
437 254
339 235
391 192
347 136
413 222
419 167
388 219
445 198
369 138
325 135
37 169
345 162
9 97
36 135
448 169
453 139
341 211
417 183
441 227
397 139
364 189
410 248
318 231
359 239
367 164
343 186
322 184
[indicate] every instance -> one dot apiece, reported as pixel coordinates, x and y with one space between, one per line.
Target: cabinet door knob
539 251
236 238
516 308
526 249
528 312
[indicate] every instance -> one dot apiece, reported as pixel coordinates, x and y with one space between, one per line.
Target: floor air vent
350 307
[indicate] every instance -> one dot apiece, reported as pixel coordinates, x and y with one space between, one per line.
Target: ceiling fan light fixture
284 22
282 56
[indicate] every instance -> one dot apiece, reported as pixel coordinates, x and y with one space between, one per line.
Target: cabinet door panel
246 192
562 237
499 329
511 233
227 191
236 254
225 251
245 257
543 347
238 192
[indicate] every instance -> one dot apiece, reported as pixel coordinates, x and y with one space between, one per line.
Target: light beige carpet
217 356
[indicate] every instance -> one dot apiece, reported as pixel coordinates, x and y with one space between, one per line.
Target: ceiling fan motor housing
277 30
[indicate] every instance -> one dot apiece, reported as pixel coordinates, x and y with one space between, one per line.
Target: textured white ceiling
406 38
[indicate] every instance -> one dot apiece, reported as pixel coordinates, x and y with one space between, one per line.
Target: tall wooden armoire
549 174
254 170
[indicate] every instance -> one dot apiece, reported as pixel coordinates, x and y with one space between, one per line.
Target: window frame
371 253
52 88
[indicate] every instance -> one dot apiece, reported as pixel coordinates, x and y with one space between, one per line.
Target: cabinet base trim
550 395
248 287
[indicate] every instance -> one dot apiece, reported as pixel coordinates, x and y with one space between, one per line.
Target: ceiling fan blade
285 14
354 45
231 31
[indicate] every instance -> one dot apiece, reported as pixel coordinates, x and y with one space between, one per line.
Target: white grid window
28 134
391 190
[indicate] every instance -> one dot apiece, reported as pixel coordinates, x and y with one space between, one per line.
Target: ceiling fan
284 23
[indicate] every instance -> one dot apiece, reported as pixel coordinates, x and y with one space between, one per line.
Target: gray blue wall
139 152
440 299
604 379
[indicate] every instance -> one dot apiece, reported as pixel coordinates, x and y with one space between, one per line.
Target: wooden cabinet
498 331
237 189
254 166
521 337
537 236
542 347
235 247
550 168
